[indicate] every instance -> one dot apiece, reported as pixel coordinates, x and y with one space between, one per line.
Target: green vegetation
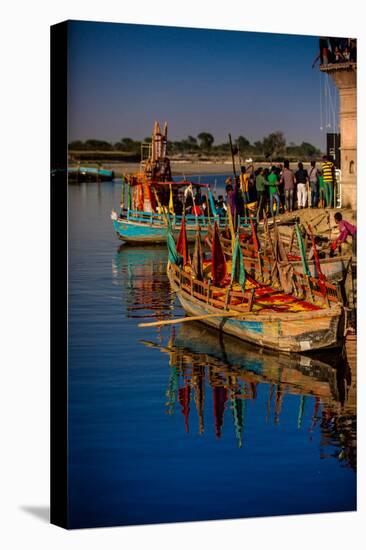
271 147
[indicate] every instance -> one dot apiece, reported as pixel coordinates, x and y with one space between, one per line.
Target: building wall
344 76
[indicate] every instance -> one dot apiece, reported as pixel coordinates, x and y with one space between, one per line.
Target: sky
123 77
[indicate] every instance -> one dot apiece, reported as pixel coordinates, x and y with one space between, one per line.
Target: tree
206 140
192 140
308 150
98 145
127 144
304 150
223 147
274 145
258 145
76 145
243 143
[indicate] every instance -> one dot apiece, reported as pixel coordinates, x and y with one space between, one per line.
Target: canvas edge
58 314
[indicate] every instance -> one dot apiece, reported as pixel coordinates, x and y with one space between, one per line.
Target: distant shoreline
188 168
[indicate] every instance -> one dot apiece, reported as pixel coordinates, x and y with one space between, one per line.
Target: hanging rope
327 100
331 94
321 100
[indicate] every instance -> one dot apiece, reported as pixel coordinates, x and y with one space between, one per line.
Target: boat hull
144 232
300 332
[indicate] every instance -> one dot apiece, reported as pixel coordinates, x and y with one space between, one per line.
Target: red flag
218 258
182 245
197 260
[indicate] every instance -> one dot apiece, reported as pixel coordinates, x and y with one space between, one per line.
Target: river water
177 423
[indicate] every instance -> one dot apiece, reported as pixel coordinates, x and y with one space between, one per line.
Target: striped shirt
328 171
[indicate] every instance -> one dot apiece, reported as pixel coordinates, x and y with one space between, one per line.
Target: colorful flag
173 255
254 235
218 258
171 204
197 261
129 205
182 245
300 241
212 204
232 231
237 266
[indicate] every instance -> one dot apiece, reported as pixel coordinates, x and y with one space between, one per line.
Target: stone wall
344 76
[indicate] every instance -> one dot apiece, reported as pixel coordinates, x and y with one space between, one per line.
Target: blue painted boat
148 227
141 226
82 173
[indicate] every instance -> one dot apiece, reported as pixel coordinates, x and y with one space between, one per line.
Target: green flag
304 261
173 255
129 206
237 267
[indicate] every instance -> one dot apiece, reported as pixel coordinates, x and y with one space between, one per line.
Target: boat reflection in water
201 360
142 273
220 379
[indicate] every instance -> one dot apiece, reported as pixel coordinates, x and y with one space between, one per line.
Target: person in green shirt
272 183
260 183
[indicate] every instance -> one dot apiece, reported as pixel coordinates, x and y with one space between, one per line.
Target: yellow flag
171 205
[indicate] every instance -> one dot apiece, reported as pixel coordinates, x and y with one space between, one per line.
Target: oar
194 318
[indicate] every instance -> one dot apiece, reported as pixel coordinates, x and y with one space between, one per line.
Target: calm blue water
177 424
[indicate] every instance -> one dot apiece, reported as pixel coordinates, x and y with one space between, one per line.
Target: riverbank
187 168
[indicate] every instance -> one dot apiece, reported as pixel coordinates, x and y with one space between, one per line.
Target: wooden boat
310 318
151 199
87 173
150 227
333 268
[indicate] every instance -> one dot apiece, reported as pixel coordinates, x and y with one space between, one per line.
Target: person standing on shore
313 176
251 183
321 190
260 186
288 180
244 184
301 178
272 183
328 172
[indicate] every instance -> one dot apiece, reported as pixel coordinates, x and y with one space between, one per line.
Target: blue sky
122 77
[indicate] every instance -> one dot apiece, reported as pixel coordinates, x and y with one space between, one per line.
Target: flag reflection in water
202 360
